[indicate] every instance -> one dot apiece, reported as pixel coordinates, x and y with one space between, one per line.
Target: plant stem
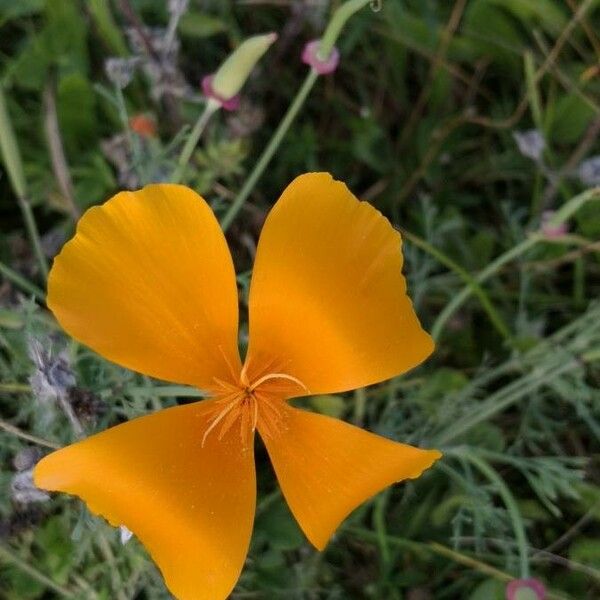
115 575
10 557
360 403
560 217
436 548
501 400
508 499
486 303
15 388
470 562
166 391
10 150
332 32
27 436
270 150
482 567
34 235
58 158
132 141
192 141
336 24
14 167
66 407
380 530
21 282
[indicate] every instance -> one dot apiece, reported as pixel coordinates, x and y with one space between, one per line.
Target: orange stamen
250 404
277 376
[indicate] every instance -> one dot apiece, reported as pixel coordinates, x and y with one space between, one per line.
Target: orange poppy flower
148 282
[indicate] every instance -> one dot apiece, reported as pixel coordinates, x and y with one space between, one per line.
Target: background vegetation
425 119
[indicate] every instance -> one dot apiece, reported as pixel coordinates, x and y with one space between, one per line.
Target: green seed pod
232 74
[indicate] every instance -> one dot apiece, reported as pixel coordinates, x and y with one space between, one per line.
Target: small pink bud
322 67
229 104
552 231
525 589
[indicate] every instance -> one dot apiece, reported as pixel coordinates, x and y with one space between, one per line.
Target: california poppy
148 282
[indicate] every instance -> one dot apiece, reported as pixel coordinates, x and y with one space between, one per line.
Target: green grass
419 120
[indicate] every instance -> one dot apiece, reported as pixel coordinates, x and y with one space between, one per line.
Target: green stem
470 562
21 282
482 567
501 400
15 388
458 300
524 386
166 391
332 32
486 303
132 141
115 575
14 166
270 150
34 234
536 377
9 428
509 501
10 150
360 404
192 141
380 530
337 22
441 550
38 576
561 216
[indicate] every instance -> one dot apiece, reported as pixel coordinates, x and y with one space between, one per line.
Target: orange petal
191 505
148 282
327 468
328 301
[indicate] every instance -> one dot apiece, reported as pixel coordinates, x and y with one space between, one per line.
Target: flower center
250 405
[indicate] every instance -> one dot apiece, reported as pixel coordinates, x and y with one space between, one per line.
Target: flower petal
328 301
191 505
327 468
148 282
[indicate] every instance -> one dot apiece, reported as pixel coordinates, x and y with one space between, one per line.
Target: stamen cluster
248 404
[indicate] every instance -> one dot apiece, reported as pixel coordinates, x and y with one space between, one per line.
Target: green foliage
77 115
419 119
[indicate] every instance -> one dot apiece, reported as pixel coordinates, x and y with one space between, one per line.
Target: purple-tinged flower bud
310 56
525 589
224 86
549 229
208 89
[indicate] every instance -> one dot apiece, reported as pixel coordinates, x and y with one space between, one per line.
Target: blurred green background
469 123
